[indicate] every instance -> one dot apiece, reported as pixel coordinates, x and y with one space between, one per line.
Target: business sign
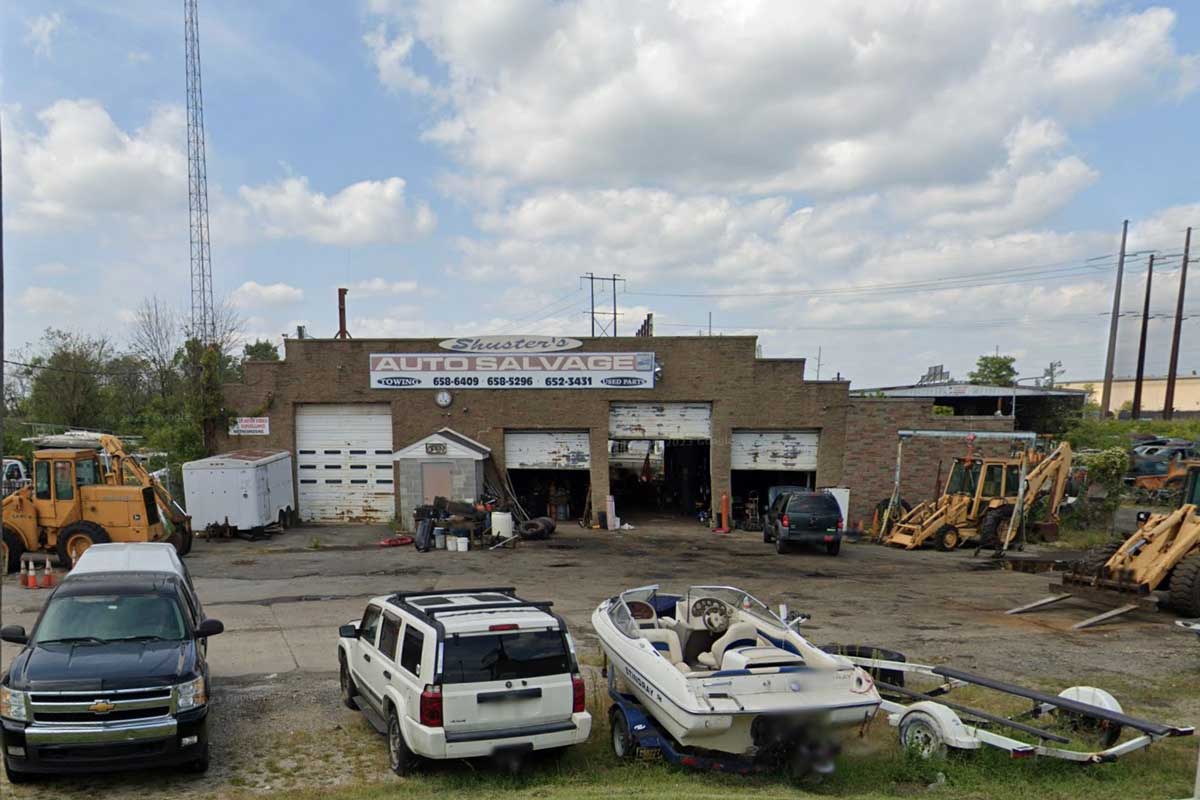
510 344
546 371
250 426
435 448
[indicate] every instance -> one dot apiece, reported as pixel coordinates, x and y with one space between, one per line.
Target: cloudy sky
893 183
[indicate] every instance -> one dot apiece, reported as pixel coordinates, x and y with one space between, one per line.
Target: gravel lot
276 721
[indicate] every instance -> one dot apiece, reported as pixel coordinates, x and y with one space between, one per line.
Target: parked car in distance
462 674
804 518
114 674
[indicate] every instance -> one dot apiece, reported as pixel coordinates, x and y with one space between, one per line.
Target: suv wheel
834 547
623 745
400 758
347 683
781 546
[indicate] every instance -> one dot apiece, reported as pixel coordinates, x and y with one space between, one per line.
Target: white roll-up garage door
775 450
344 462
547 450
660 421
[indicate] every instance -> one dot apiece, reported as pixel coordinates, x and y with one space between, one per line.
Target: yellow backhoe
985 499
1162 557
125 470
69 506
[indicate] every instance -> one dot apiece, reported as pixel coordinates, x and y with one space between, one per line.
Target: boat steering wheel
714 613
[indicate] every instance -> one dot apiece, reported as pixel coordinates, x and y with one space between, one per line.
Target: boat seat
666 642
740 634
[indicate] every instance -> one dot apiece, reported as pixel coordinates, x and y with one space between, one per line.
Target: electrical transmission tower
203 319
598 322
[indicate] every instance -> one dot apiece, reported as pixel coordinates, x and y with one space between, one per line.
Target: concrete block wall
465 482
872 426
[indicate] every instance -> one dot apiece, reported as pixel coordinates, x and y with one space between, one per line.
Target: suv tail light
784 521
431 707
579 693
841 523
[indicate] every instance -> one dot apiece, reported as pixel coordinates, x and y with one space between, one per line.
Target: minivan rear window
505 656
812 504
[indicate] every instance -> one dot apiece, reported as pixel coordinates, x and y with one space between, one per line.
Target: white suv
463 673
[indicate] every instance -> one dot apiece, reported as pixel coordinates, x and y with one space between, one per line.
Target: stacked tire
538 528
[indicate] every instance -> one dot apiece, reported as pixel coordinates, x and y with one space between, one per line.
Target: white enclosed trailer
245 489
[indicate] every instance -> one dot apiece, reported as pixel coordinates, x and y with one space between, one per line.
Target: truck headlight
192 694
14 704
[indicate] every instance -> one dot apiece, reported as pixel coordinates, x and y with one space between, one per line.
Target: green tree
66 380
261 350
994 371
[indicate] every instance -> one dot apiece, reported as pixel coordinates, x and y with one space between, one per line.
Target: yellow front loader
986 499
125 470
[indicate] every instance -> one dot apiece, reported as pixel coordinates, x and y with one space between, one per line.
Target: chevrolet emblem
101 707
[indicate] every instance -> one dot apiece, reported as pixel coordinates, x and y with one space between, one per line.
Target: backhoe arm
122 461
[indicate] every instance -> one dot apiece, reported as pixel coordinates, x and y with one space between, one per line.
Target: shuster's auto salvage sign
515 371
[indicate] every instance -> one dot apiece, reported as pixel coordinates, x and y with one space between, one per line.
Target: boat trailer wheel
922 734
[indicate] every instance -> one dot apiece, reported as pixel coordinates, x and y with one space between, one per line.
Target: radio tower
203 320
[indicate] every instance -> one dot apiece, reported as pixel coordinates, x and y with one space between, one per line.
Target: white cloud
52 269
765 97
40 32
82 168
391 58
362 213
47 300
384 286
254 295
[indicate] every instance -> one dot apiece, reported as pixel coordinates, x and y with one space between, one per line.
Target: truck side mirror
348 631
210 627
14 634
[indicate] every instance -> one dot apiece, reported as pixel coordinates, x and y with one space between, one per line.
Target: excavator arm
121 463
1050 475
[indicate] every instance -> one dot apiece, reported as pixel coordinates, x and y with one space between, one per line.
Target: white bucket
439 538
502 524
464 544
451 543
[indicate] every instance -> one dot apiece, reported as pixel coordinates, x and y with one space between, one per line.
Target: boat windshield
736 598
620 615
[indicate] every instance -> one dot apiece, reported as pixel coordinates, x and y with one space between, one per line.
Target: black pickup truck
114 674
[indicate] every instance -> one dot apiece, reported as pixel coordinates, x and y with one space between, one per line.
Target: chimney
342 332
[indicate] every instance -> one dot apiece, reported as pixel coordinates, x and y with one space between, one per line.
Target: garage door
774 450
547 450
660 421
344 462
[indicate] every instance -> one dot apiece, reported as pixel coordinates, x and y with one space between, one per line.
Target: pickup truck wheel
400 758
200 765
76 538
349 691
11 548
16 777
623 745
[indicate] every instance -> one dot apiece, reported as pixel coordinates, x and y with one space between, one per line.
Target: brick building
551 413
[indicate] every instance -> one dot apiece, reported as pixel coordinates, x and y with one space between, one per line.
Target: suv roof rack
509 590
536 605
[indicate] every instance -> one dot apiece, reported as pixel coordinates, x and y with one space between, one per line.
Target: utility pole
1141 361
818 362
710 323
606 329
1106 396
1173 367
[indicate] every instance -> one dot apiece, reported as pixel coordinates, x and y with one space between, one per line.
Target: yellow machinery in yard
984 499
1158 564
126 470
69 506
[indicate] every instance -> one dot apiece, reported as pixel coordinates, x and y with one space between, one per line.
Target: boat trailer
932 724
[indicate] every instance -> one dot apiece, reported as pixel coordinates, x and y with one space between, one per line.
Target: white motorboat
717 670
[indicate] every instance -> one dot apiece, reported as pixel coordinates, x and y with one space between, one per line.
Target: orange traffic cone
28 581
47 575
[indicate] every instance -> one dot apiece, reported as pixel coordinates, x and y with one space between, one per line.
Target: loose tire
349 691
1097 557
1185 586
76 538
947 538
535 529
400 758
183 544
11 548
623 745
994 525
922 734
